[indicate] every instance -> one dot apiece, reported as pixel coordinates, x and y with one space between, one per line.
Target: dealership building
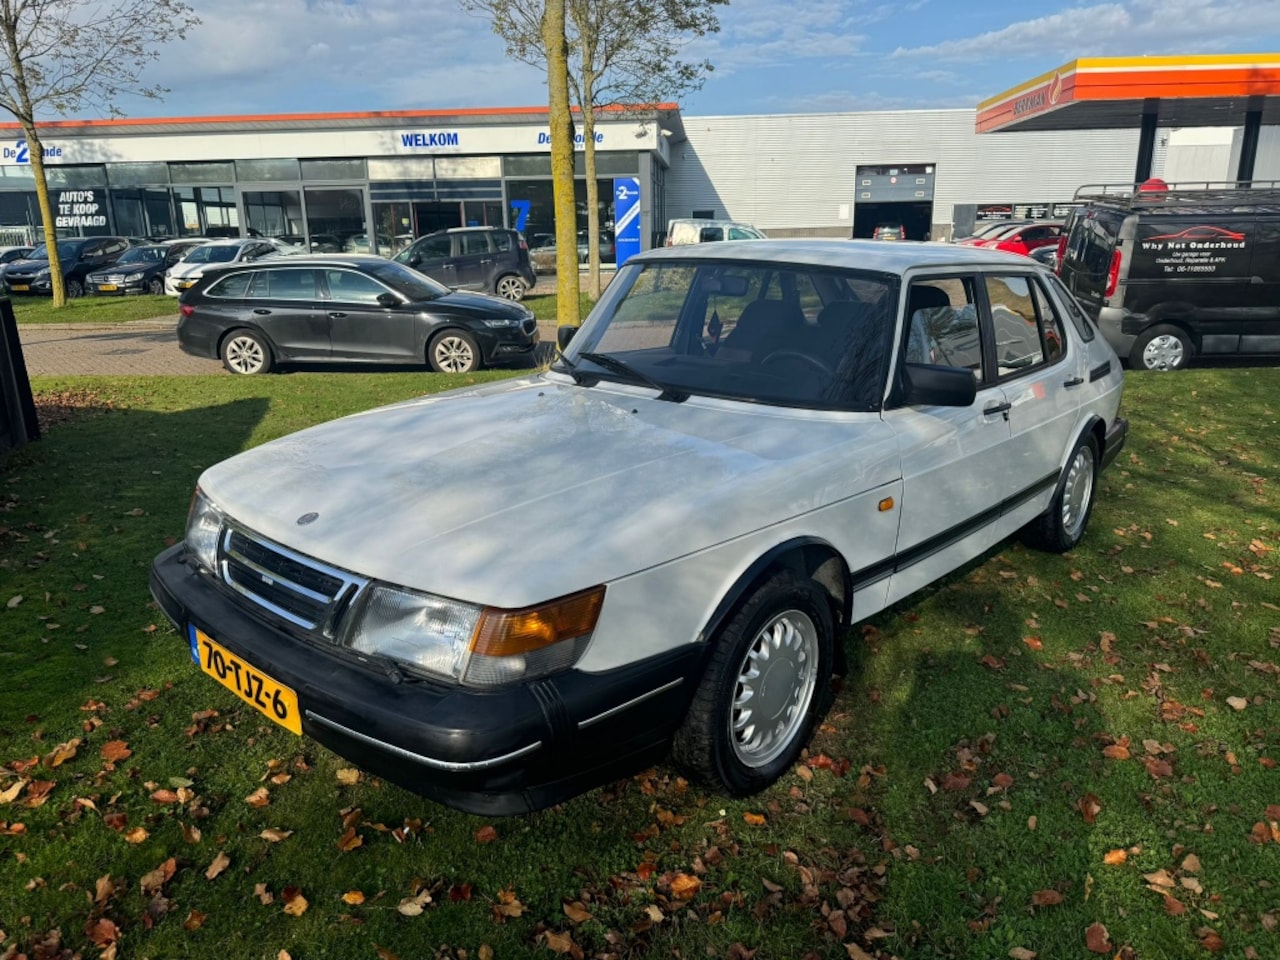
373 180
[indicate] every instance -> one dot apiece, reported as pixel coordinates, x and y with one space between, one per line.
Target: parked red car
1022 238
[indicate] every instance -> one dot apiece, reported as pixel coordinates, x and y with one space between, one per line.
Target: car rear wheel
452 351
510 287
245 352
1163 348
155 286
1062 526
74 289
763 689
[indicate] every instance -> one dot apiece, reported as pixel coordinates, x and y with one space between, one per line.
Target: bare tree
624 54
68 55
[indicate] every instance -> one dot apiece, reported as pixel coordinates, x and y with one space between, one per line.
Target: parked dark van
1173 271
490 259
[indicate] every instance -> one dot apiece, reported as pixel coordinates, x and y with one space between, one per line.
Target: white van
708 231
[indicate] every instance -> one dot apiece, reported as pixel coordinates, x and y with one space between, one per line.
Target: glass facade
354 205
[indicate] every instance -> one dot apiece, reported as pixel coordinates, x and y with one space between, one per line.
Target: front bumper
29 284
505 344
506 751
94 284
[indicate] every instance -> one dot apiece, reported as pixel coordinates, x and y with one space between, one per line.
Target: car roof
846 254
310 260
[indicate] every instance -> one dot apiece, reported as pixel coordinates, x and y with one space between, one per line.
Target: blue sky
286 56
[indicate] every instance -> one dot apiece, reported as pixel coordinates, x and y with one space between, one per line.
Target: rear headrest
839 313
926 298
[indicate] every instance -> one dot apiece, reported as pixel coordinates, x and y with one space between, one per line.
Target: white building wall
1266 166
796 172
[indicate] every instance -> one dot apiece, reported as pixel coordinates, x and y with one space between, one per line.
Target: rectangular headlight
204 527
423 631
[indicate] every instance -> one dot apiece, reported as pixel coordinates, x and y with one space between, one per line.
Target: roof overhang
1114 92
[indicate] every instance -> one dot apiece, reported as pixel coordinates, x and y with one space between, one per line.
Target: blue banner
626 217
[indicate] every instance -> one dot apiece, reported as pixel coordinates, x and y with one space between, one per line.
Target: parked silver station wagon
504 595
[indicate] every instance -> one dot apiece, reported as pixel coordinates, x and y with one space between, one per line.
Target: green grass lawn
1035 746
35 309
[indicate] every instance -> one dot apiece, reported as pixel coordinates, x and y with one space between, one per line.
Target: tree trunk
35 150
593 201
556 44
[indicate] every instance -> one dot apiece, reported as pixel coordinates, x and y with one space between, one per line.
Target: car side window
434 248
1015 323
942 324
234 286
737 233
1078 318
1055 347
112 247
501 240
291 284
711 234
92 250
347 286
473 243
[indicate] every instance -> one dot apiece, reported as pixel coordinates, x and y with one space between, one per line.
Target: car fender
1178 313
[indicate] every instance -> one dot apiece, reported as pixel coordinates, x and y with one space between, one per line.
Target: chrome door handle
336 315
1074 382
261 311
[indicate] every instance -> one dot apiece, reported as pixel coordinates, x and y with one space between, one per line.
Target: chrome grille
303 591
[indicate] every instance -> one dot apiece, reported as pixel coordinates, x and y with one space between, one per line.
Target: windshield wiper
627 370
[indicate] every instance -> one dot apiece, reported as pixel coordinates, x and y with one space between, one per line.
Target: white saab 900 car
503 595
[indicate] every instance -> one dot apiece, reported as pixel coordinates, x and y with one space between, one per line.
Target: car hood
28 266
459 303
184 269
522 491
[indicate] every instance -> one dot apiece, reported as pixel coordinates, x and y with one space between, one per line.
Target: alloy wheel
775 686
245 355
453 355
1077 492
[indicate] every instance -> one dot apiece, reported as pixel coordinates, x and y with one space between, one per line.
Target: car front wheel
452 351
1163 348
74 289
763 688
1061 527
155 287
245 352
510 287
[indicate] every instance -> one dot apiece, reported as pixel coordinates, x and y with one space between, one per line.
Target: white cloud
1136 27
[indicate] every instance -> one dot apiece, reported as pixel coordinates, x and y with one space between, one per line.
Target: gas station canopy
1231 90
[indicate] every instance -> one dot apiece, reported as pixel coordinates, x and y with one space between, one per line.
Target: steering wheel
777 355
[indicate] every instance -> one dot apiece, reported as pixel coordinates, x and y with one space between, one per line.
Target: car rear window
501 240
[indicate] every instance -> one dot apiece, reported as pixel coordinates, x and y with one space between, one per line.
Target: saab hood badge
308 518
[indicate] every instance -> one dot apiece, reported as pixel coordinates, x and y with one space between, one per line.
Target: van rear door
1261 330
1086 262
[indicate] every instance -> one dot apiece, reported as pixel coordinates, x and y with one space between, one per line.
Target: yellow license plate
20 287
185 284
269 697
107 287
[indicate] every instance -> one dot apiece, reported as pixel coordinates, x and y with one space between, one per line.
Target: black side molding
1100 371
1114 441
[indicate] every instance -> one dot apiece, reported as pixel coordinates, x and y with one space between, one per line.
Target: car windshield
66 251
212 253
142 255
411 283
763 332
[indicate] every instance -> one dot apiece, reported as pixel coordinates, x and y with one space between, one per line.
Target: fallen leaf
1237 703
153 880
348 776
1160 878
295 904
190 833
1173 906
1210 940
113 751
1116 752
14 601
195 920
486 834
684 887
754 819
259 798
103 889
1022 953
164 795
62 753
350 840
577 912
1113 858
220 863
1191 864
136 835
353 897
275 834
97 609
102 932
1097 939
1046 898
1089 807
560 942
413 906
1033 643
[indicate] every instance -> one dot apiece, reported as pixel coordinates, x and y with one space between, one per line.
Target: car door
1260 331
954 459
1042 382
473 260
432 255
361 328
285 303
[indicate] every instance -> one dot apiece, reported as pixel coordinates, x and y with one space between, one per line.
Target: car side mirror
388 300
564 335
415 260
927 384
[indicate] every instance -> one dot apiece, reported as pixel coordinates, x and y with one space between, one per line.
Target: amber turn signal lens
508 633
886 504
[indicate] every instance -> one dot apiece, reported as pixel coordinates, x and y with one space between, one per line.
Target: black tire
1163 347
717 741
509 287
453 351
74 289
1062 526
155 286
246 353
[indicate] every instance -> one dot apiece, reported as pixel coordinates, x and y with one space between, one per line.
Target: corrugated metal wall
794 173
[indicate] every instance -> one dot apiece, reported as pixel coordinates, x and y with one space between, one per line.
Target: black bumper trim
419 758
1113 443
